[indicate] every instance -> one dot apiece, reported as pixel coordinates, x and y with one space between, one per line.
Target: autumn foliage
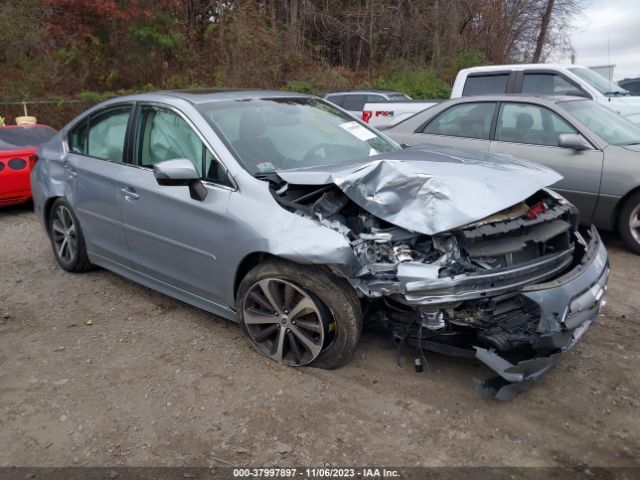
82 48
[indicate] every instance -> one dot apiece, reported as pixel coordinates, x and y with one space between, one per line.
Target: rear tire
324 333
629 223
67 241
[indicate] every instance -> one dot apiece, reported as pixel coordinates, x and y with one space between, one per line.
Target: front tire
66 238
299 315
629 223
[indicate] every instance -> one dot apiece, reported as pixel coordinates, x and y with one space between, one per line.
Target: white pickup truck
547 79
530 79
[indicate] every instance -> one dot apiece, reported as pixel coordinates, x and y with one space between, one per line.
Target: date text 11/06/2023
312 473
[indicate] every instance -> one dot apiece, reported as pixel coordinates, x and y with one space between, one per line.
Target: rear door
531 132
172 237
93 165
465 125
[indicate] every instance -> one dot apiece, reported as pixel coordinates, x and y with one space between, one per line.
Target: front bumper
568 306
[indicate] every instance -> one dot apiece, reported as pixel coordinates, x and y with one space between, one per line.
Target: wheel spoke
271 295
61 214
266 333
62 248
57 227
309 325
295 348
288 296
634 223
255 317
71 248
259 299
307 342
278 350
302 306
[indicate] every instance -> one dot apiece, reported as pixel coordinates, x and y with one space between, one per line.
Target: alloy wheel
63 230
284 322
634 223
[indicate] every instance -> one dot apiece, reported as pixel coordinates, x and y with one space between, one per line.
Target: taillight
366 116
17 163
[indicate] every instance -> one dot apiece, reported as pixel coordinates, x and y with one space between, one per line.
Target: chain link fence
55 113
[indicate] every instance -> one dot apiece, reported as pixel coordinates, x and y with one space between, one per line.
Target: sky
617 21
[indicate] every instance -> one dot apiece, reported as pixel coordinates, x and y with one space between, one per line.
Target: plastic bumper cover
568 306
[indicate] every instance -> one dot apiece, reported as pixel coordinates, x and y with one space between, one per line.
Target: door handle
130 193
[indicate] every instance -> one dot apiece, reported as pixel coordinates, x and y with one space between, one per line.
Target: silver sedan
286 214
596 150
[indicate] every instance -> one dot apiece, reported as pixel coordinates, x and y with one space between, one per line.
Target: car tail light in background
366 116
17 163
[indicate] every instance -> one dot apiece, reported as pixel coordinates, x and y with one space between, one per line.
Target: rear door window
354 103
102 135
485 84
547 84
469 120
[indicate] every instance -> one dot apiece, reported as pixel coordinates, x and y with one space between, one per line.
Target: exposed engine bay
462 292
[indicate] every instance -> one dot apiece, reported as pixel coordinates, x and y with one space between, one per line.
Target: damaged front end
514 289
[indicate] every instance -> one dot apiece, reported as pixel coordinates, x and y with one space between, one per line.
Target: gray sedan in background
596 150
286 214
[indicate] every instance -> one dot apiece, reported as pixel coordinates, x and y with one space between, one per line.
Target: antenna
610 73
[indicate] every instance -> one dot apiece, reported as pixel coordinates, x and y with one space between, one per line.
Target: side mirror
574 141
180 173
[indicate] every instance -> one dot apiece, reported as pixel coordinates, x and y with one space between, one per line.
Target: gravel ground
96 370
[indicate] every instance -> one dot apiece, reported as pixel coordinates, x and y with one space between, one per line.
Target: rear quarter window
336 99
485 84
354 103
77 139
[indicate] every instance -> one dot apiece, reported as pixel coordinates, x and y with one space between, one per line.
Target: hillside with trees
89 49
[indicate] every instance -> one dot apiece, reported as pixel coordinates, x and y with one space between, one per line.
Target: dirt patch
153 382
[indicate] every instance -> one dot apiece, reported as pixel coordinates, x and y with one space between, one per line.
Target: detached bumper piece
568 306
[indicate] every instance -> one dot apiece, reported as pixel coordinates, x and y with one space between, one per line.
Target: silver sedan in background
596 150
286 214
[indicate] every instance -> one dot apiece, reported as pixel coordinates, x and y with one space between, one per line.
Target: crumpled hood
429 189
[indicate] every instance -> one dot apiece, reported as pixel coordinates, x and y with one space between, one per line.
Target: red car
18 145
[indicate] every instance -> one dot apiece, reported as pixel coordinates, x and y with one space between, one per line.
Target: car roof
370 90
510 97
195 97
212 95
521 66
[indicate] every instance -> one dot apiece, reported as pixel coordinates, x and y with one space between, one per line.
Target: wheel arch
253 259
46 211
615 216
246 264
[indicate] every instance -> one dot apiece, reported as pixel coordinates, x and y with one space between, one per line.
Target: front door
172 237
531 132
